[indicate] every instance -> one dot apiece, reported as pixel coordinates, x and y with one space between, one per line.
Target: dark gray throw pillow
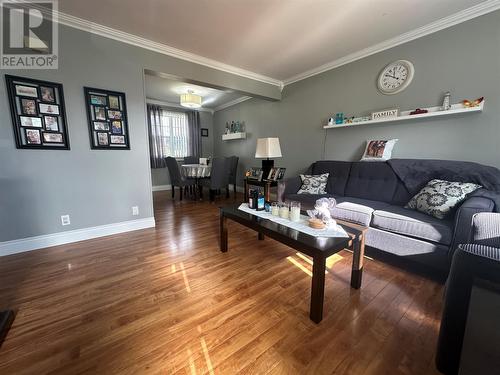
313 184
439 197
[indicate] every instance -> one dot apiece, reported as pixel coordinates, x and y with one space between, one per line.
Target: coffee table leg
260 236
357 262
223 233
317 290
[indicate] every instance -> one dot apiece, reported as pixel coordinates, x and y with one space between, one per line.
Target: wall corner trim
54 239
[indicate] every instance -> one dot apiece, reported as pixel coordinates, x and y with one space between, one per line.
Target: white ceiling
167 90
275 38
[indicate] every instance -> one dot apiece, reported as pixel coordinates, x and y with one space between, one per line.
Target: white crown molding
232 102
121 36
176 105
39 242
462 16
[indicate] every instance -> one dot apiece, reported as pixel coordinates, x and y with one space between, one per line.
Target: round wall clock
395 77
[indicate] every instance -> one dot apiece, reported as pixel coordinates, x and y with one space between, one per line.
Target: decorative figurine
447 101
474 103
418 111
339 118
322 211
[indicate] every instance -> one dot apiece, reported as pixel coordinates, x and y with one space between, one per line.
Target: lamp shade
191 100
268 148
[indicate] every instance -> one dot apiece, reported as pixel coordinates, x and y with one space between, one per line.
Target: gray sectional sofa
374 194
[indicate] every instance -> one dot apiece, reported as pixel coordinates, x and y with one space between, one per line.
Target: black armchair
477 261
176 178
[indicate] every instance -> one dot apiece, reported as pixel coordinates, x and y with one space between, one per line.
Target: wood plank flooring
166 301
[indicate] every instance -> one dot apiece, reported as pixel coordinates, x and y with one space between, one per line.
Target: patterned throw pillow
313 184
439 197
378 150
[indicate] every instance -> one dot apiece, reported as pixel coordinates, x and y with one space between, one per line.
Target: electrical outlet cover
135 210
65 220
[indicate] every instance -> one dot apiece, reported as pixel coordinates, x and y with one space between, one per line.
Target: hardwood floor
166 301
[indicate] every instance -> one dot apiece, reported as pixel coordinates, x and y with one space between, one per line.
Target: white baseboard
162 187
61 238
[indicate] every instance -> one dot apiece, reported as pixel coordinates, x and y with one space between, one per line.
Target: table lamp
267 148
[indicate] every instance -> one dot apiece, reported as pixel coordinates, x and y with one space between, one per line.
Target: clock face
395 77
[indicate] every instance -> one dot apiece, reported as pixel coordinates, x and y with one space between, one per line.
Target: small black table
318 249
266 184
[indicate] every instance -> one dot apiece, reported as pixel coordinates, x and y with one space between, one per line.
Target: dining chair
219 177
233 167
176 178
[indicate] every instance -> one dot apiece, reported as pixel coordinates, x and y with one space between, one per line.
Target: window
174 134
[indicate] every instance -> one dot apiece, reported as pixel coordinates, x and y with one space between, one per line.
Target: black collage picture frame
38 113
107 118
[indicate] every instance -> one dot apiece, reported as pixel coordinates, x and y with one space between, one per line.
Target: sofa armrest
288 186
463 219
486 229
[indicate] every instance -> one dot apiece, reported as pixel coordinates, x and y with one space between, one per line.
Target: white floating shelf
405 115
231 136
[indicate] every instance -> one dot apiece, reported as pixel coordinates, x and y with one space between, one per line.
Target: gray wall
94 187
464 59
160 176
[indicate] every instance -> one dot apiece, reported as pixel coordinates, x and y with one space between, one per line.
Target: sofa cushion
412 223
356 210
339 174
313 183
374 181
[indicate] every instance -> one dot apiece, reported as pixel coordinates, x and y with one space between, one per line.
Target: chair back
233 167
174 171
219 175
191 160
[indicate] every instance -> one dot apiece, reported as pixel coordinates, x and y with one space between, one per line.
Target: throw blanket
415 173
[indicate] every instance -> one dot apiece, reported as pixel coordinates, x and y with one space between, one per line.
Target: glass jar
275 209
284 210
295 211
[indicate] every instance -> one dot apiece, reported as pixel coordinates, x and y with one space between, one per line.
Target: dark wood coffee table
318 249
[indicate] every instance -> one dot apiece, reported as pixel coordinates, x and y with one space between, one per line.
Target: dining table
196 172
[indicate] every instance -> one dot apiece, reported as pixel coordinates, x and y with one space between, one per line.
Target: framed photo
117 139
116 127
204 132
51 123
102 139
101 125
255 174
273 174
281 173
52 137
114 102
37 107
31 122
98 100
115 115
100 113
47 94
28 106
50 109
30 91
107 119
33 137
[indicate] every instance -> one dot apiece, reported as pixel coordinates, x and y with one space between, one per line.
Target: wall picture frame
107 119
37 107
204 132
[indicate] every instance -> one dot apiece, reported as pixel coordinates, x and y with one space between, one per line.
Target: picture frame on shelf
37 107
254 173
107 119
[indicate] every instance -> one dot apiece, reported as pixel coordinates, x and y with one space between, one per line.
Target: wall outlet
65 220
135 210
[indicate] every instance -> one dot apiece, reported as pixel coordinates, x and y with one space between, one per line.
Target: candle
295 211
284 211
275 209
